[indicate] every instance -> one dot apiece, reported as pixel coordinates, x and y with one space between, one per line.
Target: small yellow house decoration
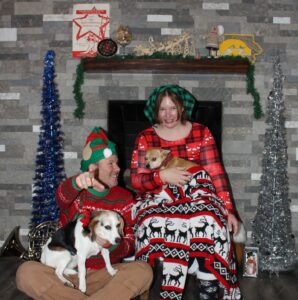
240 45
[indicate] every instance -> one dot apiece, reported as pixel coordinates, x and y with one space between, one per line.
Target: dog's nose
117 240
147 166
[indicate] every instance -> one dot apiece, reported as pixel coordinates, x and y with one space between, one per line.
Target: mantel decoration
214 37
123 37
90 25
181 45
250 80
107 47
240 45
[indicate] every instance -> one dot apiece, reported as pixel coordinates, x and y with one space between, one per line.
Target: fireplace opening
126 119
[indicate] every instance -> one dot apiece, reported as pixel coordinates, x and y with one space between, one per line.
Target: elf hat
97 147
188 99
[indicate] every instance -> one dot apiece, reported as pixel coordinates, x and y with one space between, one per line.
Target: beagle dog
72 244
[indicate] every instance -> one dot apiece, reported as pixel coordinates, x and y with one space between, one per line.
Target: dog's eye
154 159
146 158
108 227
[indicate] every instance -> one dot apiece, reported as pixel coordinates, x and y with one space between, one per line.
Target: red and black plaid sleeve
142 178
210 160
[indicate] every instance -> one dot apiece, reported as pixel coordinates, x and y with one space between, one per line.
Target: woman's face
168 113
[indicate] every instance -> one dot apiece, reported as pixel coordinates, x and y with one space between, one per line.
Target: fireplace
126 119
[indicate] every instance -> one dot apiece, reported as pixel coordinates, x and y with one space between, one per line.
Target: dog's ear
164 152
95 213
92 224
121 228
91 227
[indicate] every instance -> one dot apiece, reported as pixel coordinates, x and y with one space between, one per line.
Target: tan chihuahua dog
160 158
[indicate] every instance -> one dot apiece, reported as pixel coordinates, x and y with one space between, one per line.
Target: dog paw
69 284
113 272
82 288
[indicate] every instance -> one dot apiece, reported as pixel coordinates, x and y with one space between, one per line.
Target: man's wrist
74 182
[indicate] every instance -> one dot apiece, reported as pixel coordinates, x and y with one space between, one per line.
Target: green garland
78 95
250 89
250 79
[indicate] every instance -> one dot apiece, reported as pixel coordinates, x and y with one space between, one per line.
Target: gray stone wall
29 28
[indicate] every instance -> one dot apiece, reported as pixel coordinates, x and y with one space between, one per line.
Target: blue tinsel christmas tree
49 158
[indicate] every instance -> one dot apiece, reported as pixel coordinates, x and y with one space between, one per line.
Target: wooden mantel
174 66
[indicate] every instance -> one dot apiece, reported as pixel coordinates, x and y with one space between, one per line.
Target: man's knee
24 272
141 276
146 270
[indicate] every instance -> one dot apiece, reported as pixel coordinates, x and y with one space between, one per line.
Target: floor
266 287
283 286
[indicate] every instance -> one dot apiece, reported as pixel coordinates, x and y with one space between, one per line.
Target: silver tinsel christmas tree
272 224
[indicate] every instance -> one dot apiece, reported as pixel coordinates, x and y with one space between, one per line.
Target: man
95 188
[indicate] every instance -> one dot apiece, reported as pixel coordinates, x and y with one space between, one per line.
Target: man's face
108 171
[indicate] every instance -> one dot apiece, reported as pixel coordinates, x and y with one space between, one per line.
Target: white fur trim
240 237
107 152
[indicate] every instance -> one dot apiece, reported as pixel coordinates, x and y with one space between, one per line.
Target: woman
187 223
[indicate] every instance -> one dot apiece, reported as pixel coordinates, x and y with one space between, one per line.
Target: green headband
97 147
188 99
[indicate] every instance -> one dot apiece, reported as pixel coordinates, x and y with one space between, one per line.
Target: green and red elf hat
188 99
97 147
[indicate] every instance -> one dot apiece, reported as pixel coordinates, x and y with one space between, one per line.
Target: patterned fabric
209 290
198 146
188 99
188 228
72 202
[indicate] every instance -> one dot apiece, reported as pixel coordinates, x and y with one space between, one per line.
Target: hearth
126 119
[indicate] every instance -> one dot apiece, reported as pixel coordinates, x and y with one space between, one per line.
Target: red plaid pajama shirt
198 146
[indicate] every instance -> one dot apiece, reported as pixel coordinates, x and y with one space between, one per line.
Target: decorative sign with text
91 24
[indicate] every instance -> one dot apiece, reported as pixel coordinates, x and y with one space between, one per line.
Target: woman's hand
233 224
87 179
176 176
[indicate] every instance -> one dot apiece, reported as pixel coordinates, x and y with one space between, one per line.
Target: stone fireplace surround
126 119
